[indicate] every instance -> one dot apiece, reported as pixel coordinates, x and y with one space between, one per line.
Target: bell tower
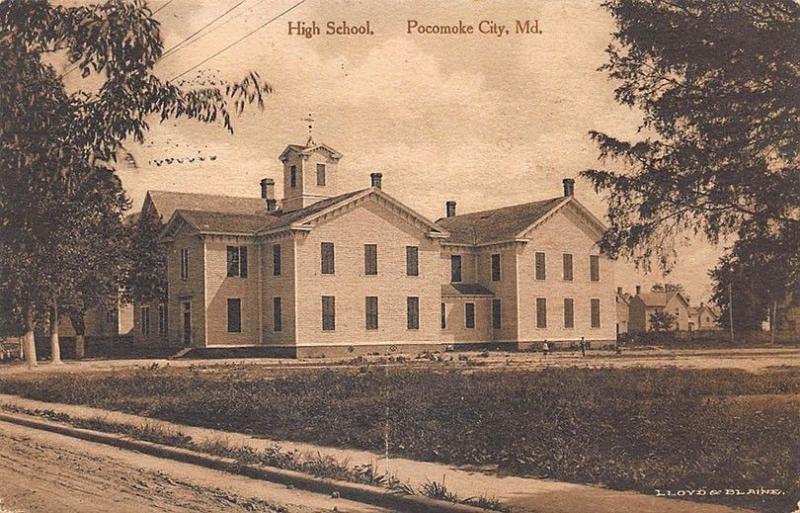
309 172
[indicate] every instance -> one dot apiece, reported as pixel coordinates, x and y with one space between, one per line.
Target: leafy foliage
760 269
662 321
146 279
717 84
60 203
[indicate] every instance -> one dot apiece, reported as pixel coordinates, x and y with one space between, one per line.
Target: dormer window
293 176
321 175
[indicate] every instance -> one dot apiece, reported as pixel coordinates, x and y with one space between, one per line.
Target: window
234 315
372 312
567 267
412 261
594 267
237 261
497 314
277 314
412 311
144 319
455 268
109 316
443 314
469 316
162 319
328 313
293 176
595 313
185 264
569 312
370 259
276 259
321 175
541 312
495 267
328 258
540 266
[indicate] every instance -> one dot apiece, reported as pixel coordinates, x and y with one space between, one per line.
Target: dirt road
48 473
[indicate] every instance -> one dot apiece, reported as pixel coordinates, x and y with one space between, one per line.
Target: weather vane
310 121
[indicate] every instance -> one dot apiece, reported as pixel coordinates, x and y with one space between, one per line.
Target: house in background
645 304
703 317
623 301
326 272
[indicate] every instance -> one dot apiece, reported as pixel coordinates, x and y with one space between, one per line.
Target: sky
484 120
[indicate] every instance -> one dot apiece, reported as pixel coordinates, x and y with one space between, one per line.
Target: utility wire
177 46
214 29
239 40
164 5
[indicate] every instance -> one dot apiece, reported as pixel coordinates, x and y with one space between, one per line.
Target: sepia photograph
400 256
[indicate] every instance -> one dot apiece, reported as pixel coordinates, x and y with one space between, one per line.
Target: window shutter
243 261
328 258
569 313
328 313
541 312
594 267
370 259
372 312
412 307
412 261
469 315
567 267
541 266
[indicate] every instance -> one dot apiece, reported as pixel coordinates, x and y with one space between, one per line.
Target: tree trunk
80 346
55 345
77 319
28 340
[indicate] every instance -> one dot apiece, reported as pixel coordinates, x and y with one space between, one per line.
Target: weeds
639 428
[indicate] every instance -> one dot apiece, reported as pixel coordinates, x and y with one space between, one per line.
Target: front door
186 323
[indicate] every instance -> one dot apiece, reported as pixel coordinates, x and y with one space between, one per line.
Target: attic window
293 176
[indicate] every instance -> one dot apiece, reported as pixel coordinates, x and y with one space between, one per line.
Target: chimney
638 290
268 193
376 179
450 208
569 187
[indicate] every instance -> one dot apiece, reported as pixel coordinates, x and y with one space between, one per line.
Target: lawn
636 428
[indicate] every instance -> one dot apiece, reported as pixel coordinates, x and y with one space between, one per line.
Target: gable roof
264 222
660 299
219 222
500 224
506 223
167 202
309 148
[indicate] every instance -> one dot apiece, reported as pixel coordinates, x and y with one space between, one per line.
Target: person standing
545 348
583 347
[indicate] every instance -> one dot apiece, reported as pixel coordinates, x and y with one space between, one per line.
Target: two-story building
326 272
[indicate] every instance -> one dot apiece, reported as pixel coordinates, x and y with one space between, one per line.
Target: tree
662 320
757 272
146 280
50 139
717 83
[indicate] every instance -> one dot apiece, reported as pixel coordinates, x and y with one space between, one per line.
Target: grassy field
638 429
